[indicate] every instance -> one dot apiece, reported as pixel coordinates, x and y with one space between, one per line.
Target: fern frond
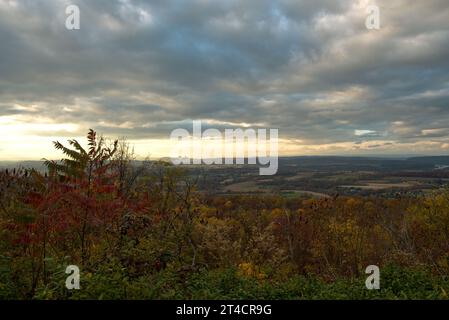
68 152
78 147
53 166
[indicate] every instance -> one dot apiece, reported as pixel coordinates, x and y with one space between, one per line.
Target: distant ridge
320 162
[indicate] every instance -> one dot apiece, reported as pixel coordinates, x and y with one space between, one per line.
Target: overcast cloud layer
307 67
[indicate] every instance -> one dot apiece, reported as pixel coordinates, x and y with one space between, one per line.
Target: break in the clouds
309 68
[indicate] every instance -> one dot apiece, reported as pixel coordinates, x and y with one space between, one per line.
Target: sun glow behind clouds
138 69
26 139
17 143
11 125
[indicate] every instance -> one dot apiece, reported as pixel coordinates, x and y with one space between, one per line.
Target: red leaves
59 211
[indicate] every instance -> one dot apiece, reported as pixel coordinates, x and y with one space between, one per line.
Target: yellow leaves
428 225
380 233
276 213
228 204
344 228
351 202
247 269
219 240
206 212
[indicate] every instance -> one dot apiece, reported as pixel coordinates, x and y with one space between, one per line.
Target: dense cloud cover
307 67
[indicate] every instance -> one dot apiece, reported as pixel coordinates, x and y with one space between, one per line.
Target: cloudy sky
309 68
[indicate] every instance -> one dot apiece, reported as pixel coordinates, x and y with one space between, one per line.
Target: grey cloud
309 68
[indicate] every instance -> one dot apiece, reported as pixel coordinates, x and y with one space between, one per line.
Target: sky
309 68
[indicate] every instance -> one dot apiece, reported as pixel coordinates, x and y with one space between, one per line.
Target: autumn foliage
136 228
